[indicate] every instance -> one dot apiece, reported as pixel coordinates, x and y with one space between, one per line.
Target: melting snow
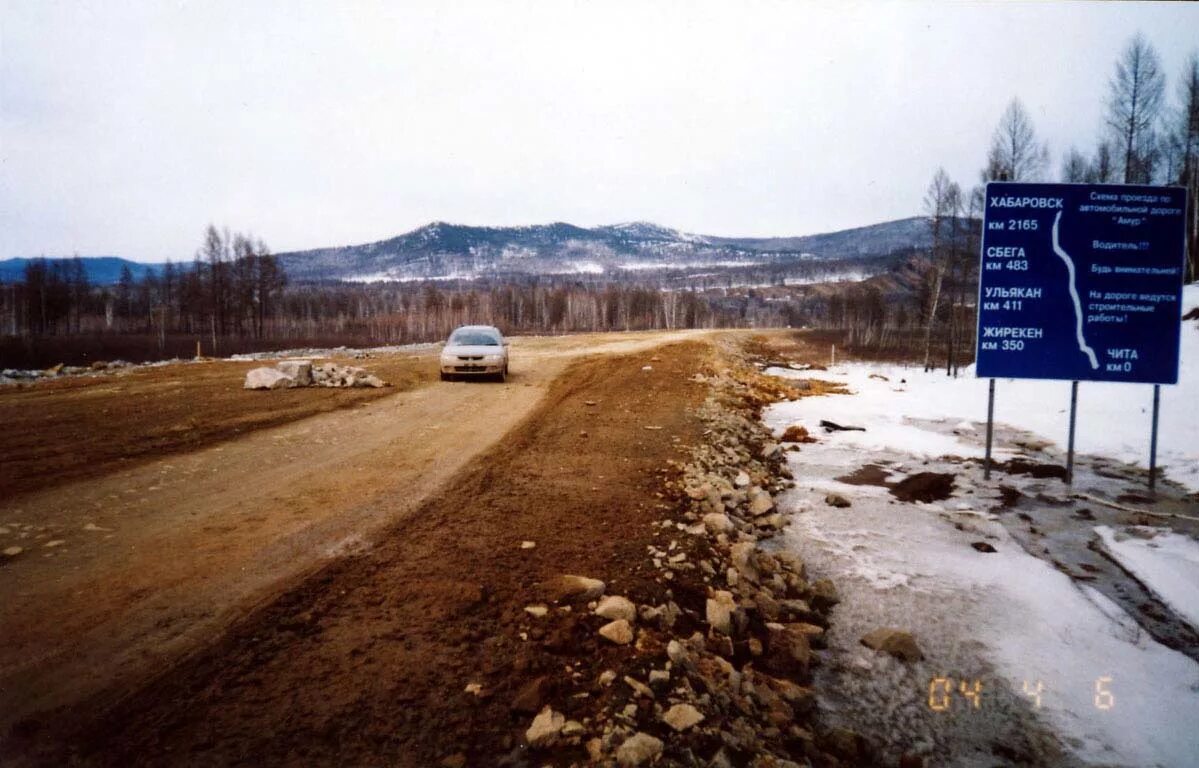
1045 646
1167 563
1113 419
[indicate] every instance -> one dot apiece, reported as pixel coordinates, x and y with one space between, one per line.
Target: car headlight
492 358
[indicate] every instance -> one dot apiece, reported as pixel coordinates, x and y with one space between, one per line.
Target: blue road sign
1081 282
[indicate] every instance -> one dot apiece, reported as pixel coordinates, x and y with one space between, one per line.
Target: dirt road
126 571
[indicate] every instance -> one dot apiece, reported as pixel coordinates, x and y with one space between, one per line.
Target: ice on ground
1054 654
893 410
1032 636
1113 419
1166 563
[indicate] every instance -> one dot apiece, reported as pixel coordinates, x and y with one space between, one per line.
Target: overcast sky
125 128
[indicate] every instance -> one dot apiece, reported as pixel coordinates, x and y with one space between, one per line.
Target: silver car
475 350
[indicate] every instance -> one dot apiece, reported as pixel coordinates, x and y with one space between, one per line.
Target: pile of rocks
18 375
718 665
288 374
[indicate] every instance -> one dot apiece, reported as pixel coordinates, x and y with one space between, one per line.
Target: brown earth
126 569
924 486
72 428
868 474
80 427
365 662
410 594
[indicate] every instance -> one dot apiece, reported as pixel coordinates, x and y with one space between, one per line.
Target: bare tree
1103 166
1015 154
1075 168
942 202
1133 106
1186 140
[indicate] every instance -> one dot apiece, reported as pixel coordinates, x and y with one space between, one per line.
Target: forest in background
234 296
1148 137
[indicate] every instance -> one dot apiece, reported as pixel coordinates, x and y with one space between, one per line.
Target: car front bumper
468 369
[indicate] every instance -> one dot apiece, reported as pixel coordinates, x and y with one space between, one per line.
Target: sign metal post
1070 440
1157 399
990 428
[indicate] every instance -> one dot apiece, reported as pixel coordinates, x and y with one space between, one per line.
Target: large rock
824 595
546 728
741 554
573 589
896 642
718 522
638 749
719 610
797 434
371 381
682 716
791 561
847 745
619 632
836 500
788 653
760 502
299 370
813 632
613 607
268 378
639 688
531 696
333 375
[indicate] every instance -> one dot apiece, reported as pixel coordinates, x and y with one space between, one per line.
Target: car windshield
474 339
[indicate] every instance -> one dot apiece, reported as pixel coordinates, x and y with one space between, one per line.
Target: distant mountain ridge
440 250
447 251
100 270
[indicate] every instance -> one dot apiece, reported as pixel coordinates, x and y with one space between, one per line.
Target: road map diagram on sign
1081 282
1082 341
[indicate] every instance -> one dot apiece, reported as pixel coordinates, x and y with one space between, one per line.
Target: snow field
1113 419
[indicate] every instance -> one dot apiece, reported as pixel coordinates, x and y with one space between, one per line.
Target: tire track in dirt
182 546
365 660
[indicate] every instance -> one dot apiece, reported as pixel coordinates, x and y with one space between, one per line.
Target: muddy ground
366 563
82 427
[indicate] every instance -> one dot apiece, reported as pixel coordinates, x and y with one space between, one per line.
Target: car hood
471 351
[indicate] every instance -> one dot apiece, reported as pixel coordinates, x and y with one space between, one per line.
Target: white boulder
299 370
613 607
268 378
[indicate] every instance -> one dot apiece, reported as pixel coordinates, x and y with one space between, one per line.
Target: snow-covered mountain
448 251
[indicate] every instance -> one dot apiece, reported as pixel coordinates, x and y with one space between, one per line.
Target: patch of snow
641 266
1113 419
386 277
1165 562
856 276
1008 619
892 410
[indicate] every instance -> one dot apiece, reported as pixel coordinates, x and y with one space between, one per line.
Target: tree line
235 297
230 289
1147 137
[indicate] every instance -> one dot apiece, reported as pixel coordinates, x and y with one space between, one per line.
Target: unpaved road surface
129 569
